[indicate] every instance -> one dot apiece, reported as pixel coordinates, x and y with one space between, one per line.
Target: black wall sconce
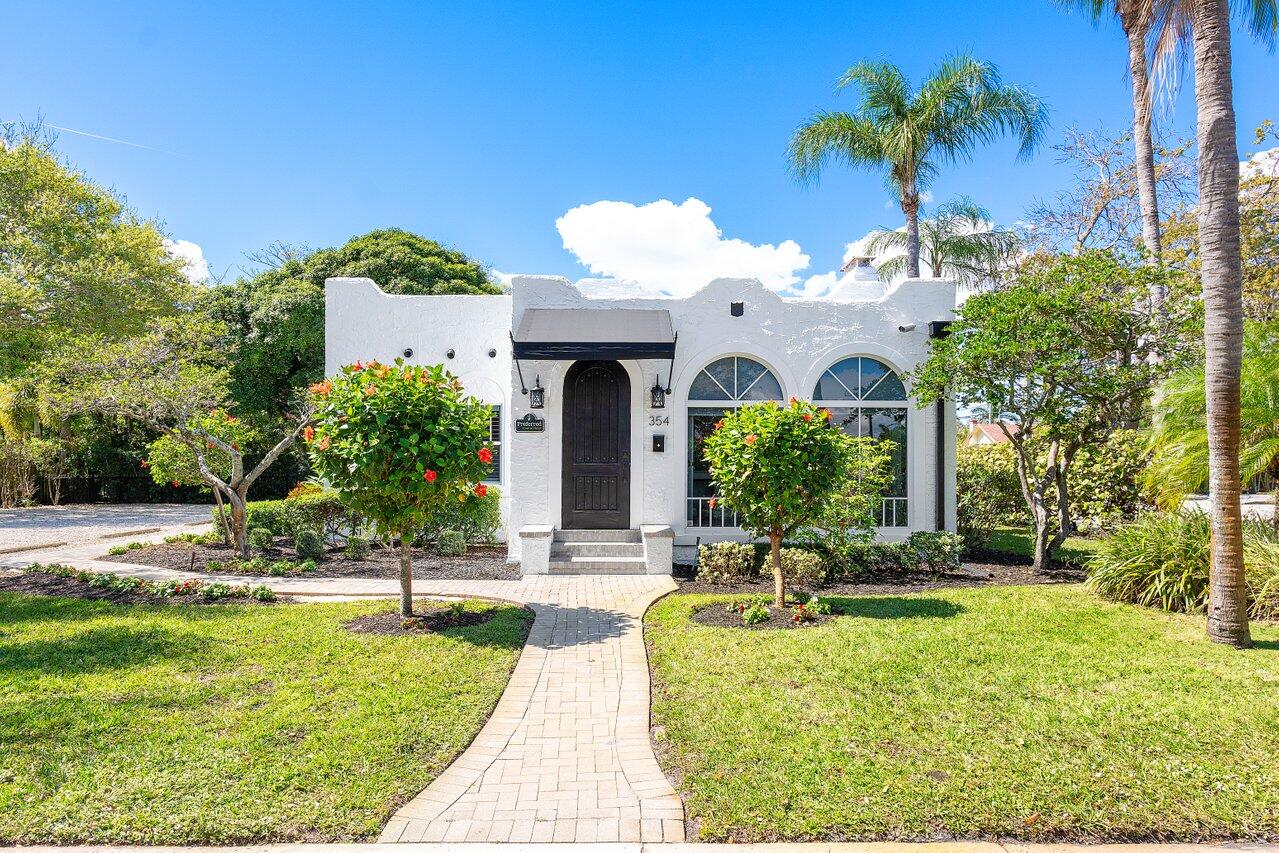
536 394
492 353
450 353
408 352
657 395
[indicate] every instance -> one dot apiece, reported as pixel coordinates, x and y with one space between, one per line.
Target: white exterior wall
362 323
797 339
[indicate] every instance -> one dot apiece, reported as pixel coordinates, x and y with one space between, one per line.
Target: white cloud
672 248
1262 163
194 265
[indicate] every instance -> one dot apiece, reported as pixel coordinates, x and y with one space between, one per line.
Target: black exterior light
657 395
536 395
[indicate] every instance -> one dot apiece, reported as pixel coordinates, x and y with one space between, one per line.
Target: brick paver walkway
566 755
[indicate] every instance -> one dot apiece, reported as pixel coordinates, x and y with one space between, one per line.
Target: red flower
358 365
235 447
808 416
175 484
486 455
429 475
481 490
308 433
751 439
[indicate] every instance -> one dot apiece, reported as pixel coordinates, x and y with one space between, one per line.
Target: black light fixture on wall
657 395
536 394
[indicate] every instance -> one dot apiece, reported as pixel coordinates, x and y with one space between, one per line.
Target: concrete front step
598 566
596 536
596 549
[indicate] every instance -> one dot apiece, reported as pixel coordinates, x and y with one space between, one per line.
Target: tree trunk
223 524
775 557
406 575
239 531
1222 281
1042 549
1145 149
1065 522
910 207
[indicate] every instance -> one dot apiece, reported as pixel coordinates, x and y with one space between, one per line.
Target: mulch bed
887 583
481 562
424 621
40 583
718 616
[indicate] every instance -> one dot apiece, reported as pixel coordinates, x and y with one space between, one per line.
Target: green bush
322 512
936 550
988 493
1103 481
725 562
357 548
450 543
215 591
477 518
262 593
1162 560
308 544
260 538
117 550
803 568
268 514
756 613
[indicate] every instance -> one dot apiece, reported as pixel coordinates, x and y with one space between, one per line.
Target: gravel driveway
45 526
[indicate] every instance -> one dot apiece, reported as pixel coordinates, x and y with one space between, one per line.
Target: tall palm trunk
910 207
1222 278
1143 143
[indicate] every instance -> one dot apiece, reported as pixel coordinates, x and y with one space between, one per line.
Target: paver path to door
566 755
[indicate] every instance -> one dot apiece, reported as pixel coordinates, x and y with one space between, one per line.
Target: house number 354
659 420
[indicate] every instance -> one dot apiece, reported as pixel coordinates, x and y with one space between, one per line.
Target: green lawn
186 724
1033 712
1018 540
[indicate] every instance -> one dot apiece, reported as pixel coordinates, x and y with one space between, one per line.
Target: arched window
722 385
868 399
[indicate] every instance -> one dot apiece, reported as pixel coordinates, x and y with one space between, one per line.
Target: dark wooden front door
596 489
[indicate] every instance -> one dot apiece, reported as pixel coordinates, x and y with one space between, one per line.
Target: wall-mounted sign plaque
530 423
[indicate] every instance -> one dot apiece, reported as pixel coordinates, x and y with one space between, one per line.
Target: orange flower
146 464
711 503
323 443
808 416
794 401
719 423
751 439
358 365
322 388
307 434
827 414
370 390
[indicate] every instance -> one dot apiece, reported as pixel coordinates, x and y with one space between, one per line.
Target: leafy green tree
913 132
171 460
848 517
170 378
959 243
399 443
73 259
275 320
777 466
1068 352
1179 436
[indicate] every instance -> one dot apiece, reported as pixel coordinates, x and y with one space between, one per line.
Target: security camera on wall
906 327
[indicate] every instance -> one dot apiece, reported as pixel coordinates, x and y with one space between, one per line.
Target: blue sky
480 125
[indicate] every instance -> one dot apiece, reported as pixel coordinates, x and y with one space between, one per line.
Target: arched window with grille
868 399
721 386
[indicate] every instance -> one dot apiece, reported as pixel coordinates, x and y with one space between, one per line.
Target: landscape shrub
936 550
321 512
450 543
1104 481
262 593
725 562
215 591
988 493
210 538
756 613
260 538
308 544
803 568
1162 559
477 518
268 514
306 487
357 548
117 550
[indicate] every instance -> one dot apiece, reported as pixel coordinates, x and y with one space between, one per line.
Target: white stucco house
600 403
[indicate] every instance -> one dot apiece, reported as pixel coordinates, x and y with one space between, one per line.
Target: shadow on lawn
895 607
98 649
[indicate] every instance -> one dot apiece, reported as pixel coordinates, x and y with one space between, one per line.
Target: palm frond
842 136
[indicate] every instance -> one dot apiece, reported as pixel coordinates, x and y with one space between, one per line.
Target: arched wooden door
596 484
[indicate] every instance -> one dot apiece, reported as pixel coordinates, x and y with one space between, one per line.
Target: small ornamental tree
399 443
171 460
777 466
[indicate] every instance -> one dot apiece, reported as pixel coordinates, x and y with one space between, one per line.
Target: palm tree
912 132
1221 276
1179 437
958 243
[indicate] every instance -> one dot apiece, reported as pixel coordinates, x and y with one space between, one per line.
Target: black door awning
570 334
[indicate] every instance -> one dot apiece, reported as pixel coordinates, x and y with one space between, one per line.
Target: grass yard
186 724
1020 541
1034 712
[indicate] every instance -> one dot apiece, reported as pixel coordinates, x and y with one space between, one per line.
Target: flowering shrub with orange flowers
399 442
777 466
